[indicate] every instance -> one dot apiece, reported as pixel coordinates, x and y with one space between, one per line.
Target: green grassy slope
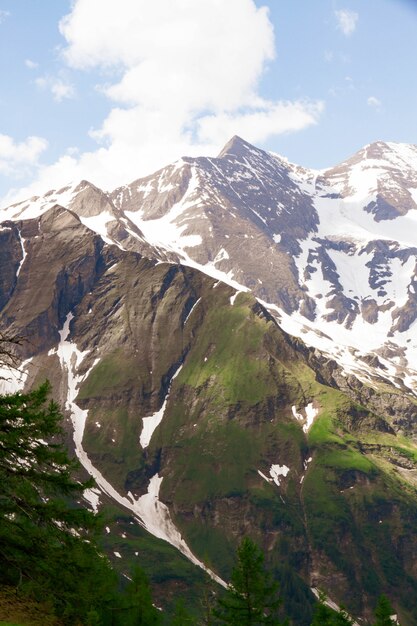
343 521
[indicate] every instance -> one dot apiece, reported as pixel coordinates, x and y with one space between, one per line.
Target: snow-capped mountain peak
333 252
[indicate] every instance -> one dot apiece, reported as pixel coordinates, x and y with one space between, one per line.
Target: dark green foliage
136 608
252 596
181 616
93 618
383 612
43 538
324 616
296 595
208 604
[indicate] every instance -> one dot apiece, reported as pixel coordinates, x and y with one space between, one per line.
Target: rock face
334 251
232 342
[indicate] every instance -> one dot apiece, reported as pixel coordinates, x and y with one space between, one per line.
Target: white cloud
186 78
256 126
3 15
61 90
17 158
346 21
187 54
374 102
59 87
32 65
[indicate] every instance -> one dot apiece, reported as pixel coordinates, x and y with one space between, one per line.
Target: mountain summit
331 253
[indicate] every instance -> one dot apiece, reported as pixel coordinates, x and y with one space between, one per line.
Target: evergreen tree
181 616
251 598
383 612
136 607
322 615
44 538
208 603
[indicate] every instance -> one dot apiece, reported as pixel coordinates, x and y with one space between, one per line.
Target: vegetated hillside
249 432
17 610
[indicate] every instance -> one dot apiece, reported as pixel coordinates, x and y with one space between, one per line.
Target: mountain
232 341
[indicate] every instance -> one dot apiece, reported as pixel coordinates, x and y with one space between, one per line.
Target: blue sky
122 87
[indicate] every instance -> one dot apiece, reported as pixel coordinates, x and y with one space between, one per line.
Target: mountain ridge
331 260
212 384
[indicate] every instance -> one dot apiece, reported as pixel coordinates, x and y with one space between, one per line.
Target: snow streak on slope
98 224
191 310
24 254
93 498
165 231
348 347
155 517
152 514
152 422
328 602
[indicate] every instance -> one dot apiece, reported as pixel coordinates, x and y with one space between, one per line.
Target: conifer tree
208 605
252 597
137 602
383 612
181 616
44 537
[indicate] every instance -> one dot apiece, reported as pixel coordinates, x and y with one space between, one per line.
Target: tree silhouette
251 598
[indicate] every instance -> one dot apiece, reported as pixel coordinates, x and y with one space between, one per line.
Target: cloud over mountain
179 78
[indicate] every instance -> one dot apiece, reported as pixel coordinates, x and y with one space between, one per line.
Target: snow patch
306 463
278 470
98 224
167 231
329 603
37 205
311 414
233 298
24 253
93 497
298 416
192 309
275 472
152 422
